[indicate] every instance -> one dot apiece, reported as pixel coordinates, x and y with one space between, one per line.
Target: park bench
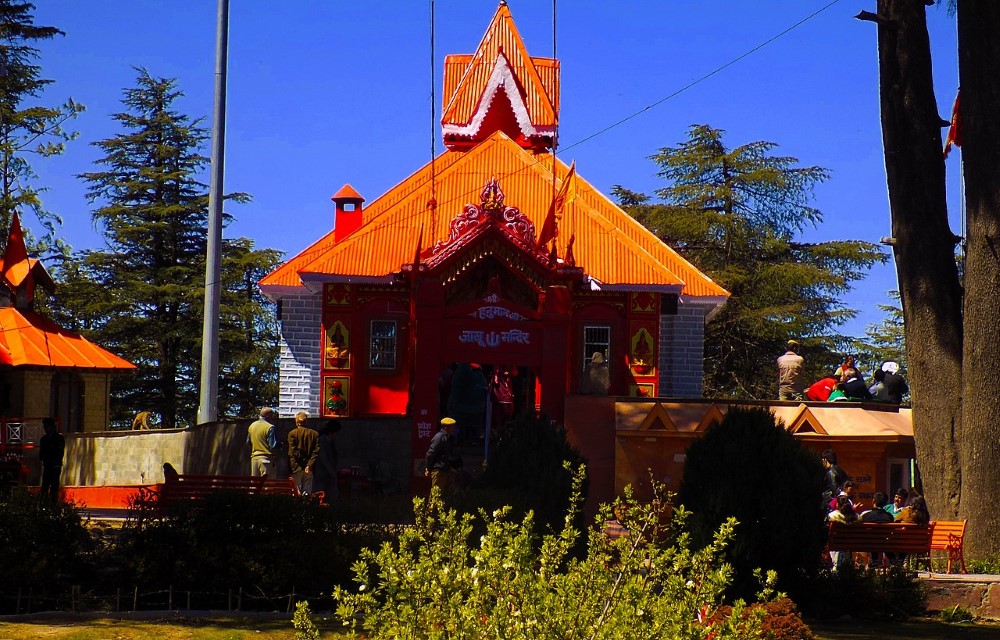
949 535
187 488
887 537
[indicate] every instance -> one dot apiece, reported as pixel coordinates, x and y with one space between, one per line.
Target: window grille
596 339
384 339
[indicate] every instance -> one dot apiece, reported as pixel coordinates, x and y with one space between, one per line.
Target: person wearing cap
263 441
437 462
790 382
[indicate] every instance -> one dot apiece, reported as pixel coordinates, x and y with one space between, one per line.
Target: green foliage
43 547
894 593
736 214
434 584
751 469
26 127
957 614
885 340
269 542
528 472
305 628
989 565
781 620
152 211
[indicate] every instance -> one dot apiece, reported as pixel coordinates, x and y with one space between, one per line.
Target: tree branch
873 17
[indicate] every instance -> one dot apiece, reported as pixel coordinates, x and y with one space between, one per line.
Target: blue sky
325 92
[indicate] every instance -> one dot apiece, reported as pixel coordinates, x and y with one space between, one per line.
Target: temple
45 370
447 271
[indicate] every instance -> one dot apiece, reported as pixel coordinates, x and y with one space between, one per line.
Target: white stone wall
682 352
299 361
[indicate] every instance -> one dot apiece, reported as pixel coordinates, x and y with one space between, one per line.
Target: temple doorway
485 398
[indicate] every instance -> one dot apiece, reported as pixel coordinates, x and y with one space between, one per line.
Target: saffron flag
16 265
955 130
566 195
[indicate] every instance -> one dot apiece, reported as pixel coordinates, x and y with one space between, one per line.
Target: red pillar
426 368
556 351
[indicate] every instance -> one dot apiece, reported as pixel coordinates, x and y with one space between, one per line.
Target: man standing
50 453
325 471
790 373
834 477
303 449
440 455
263 443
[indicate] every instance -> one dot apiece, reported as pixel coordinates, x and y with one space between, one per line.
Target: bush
894 593
44 547
781 620
751 469
271 543
527 472
433 583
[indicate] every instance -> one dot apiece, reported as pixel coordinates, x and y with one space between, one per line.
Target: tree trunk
979 59
924 249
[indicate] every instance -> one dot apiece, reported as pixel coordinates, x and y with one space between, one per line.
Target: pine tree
152 212
25 127
736 214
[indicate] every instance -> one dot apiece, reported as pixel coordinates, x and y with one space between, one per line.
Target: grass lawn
911 630
78 627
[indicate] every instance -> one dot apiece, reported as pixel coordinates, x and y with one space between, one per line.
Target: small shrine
45 370
493 270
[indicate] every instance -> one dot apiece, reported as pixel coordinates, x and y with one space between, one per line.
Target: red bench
887 537
188 487
949 535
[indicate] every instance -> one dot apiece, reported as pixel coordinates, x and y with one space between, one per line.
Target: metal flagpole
208 405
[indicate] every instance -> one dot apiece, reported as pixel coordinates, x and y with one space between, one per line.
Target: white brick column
299 359
682 352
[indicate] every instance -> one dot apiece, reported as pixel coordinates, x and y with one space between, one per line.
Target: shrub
44 547
893 593
527 472
751 469
780 621
271 543
433 583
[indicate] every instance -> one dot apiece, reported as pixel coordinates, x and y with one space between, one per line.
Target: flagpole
208 405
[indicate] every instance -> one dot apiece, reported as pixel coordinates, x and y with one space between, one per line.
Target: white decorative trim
314 281
715 302
275 292
502 77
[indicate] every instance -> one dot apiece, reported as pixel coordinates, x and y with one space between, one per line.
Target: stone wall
97 390
682 352
299 360
113 458
977 594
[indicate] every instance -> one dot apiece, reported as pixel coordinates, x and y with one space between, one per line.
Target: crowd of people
847 383
841 501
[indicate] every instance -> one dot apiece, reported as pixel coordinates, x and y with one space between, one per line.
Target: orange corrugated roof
611 246
467 77
27 338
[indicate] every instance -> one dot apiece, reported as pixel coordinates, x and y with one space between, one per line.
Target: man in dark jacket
834 477
895 385
303 449
440 455
50 453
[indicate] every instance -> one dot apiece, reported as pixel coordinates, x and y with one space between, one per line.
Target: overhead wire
460 198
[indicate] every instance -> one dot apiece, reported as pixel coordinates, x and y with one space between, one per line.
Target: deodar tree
26 127
954 405
151 209
737 214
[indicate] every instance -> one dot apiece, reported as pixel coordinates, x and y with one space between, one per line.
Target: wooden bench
189 487
887 537
949 535
186 488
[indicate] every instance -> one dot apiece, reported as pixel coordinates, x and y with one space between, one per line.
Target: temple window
596 339
383 344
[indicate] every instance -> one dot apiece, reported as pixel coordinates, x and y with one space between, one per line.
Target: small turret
347 217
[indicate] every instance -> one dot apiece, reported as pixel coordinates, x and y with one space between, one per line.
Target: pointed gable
501 65
19 272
